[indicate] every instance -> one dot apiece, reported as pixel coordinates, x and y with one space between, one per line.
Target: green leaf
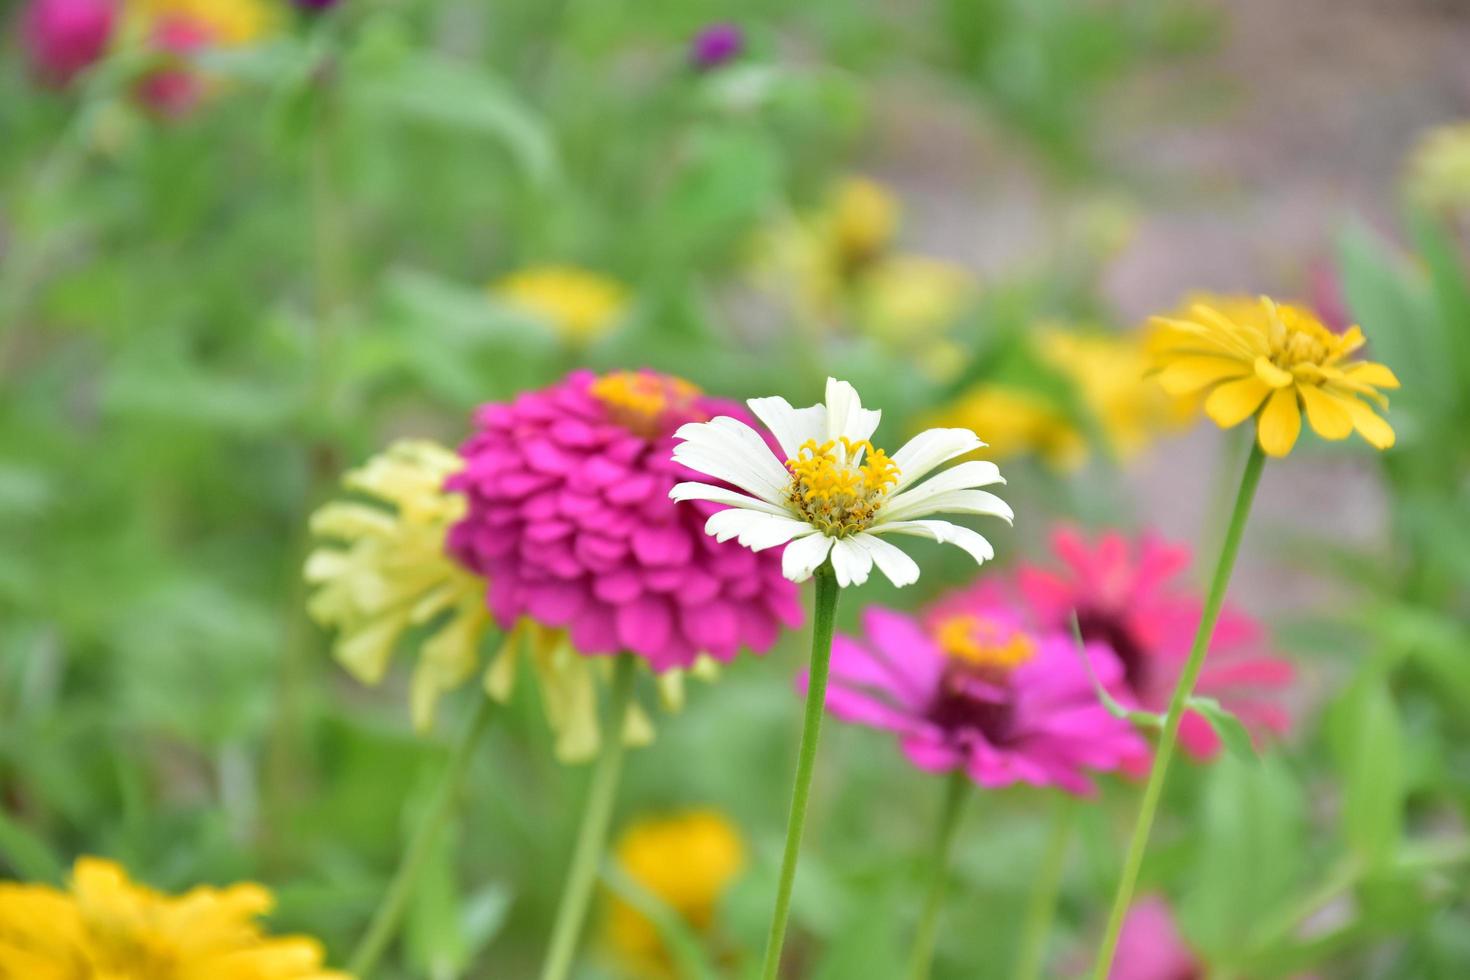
27 853
1227 726
1144 719
679 939
1368 739
432 89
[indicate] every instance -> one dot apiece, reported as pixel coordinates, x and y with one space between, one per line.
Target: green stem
955 794
592 837
1042 908
811 731
1133 861
389 915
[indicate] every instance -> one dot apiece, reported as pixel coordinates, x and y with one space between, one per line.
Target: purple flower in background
64 37
315 6
715 45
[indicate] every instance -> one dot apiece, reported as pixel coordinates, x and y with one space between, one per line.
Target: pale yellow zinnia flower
105 927
382 575
1273 366
579 306
688 861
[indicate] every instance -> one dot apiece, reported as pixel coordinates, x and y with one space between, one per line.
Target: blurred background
244 244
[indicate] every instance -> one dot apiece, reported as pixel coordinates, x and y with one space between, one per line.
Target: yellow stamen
640 400
981 642
838 485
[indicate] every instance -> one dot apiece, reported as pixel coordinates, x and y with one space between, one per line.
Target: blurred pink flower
1324 286
1150 947
65 37
569 518
174 89
976 692
1132 596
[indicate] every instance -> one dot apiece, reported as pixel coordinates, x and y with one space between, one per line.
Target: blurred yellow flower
1108 372
1013 421
108 928
908 302
383 572
1272 366
839 264
687 861
1438 171
227 22
860 222
578 305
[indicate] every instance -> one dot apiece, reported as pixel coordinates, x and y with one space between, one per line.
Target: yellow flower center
1298 338
641 400
978 641
838 486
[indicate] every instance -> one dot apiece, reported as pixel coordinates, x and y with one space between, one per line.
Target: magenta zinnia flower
570 520
65 37
1132 596
976 692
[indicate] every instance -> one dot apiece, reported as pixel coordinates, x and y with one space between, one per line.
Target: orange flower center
981 642
641 401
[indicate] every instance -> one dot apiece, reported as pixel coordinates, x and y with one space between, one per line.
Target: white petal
846 415
754 530
975 473
930 448
729 450
945 533
724 495
948 502
804 556
790 426
890 559
851 562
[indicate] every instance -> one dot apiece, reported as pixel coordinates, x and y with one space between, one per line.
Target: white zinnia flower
834 494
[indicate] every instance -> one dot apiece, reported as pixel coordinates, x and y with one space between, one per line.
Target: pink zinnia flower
1150 947
570 521
1133 596
976 692
65 37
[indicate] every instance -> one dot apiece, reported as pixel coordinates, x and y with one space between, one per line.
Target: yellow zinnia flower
107 928
383 571
687 861
1438 174
578 305
1273 367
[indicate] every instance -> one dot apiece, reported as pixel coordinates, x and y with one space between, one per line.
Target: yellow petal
1280 423
1378 432
1235 401
1271 374
1330 418
1189 374
1370 373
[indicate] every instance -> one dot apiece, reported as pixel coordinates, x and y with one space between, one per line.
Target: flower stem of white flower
955 794
592 837
811 731
1138 844
389 915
